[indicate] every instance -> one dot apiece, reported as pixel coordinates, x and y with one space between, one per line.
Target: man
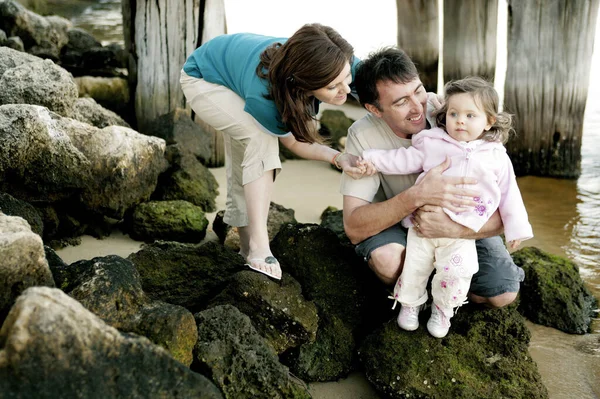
389 87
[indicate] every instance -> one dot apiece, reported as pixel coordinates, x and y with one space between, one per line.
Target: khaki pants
249 150
455 262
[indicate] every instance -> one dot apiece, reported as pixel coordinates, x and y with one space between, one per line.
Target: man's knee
386 261
498 301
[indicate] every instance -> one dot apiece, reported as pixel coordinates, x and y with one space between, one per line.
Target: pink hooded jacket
484 160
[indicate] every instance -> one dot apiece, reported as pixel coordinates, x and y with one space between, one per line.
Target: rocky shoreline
182 318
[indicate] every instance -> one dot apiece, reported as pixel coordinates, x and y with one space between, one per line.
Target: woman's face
337 91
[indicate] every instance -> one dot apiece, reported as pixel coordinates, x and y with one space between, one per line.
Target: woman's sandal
270 260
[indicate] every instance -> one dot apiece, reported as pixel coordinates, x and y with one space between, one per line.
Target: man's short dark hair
385 64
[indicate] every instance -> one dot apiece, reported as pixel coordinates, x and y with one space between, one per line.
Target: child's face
465 120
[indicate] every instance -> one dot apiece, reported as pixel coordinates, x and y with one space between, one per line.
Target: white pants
455 262
249 151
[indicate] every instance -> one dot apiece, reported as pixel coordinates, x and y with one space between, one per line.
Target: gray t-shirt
371 132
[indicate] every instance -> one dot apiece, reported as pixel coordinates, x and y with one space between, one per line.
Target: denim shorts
497 273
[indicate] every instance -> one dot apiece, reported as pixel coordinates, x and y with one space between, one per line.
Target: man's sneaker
439 322
408 319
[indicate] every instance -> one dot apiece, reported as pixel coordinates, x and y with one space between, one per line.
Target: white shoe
439 322
408 319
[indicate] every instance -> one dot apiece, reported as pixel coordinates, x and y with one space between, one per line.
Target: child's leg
411 287
456 262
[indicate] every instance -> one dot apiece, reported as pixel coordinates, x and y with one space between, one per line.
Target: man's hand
435 100
432 222
446 191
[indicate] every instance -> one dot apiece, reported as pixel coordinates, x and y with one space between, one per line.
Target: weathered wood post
159 36
550 46
470 39
213 24
418 36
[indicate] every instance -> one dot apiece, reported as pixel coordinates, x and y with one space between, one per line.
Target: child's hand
514 244
368 167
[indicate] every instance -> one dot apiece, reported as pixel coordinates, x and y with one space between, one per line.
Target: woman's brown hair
486 98
309 60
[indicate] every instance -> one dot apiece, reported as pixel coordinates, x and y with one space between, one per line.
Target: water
102 18
565 214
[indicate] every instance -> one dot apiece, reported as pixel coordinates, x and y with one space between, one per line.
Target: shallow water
565 215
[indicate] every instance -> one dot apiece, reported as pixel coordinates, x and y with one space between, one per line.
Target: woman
260 90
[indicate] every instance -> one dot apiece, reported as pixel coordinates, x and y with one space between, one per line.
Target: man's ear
373 109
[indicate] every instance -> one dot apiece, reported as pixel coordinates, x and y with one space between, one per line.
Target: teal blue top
231 61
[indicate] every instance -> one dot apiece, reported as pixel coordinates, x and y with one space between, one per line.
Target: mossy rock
238 359
485 355
278 310
188 275
329 358
168 220
335 125
553 293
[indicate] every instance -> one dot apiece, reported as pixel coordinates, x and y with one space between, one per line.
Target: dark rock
184 274
278 310
110 287
278 216
484 356
334 125
80 40
177 127
15 43
553 293
329 358
333 219
239 361
188 180
51 345
14 207
43 36
328 272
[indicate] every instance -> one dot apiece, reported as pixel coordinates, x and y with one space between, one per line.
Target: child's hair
486 98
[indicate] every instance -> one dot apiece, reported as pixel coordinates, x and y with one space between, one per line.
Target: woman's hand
351 165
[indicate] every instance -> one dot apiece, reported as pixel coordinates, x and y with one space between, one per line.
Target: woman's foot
268 265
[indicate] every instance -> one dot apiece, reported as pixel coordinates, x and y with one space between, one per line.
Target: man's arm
433 222
363 219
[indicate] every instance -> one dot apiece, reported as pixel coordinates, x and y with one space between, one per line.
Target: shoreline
309 187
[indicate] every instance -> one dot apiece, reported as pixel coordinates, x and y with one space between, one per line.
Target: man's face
402 106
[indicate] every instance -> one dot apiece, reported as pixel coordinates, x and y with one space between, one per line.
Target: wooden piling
418 36
159 36
550 46
470 39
